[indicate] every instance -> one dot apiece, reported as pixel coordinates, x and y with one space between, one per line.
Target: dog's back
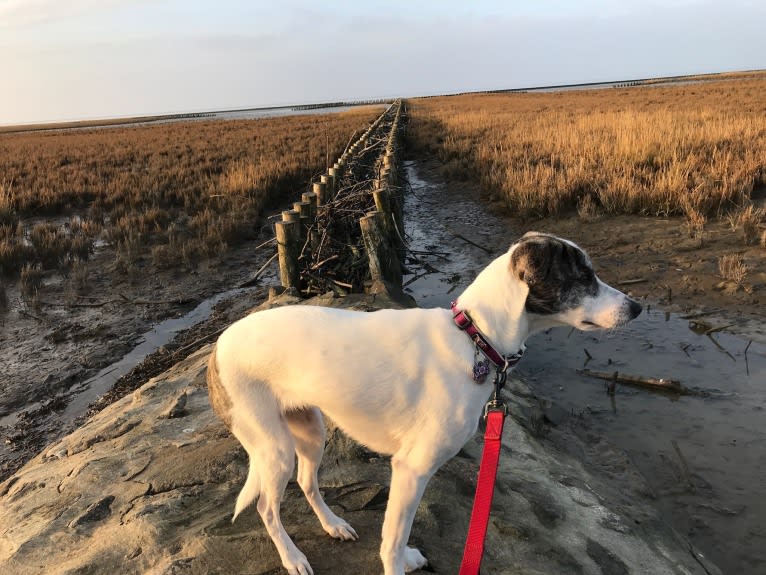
370 372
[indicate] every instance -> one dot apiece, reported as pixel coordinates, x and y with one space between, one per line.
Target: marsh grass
7 212
694 223
733 268
587 208
207 181
31 280
749 220
663 150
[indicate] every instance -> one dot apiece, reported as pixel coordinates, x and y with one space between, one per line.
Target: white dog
398 381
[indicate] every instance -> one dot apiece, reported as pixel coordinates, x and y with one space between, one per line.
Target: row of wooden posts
381 228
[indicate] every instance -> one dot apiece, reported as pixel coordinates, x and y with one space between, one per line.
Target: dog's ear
532 258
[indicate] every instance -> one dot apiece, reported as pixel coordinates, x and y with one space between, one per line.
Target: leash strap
485 487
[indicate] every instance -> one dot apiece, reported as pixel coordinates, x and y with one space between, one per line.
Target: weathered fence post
288 247
303 209
329 183
291 216
311 198
383 261
386 202
382 202
334 172
320 189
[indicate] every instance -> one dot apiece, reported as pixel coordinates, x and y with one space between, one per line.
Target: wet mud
59 363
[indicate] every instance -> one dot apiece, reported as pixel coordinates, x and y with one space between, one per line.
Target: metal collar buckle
495 405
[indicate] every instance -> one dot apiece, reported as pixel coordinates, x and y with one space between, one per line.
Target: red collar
464 322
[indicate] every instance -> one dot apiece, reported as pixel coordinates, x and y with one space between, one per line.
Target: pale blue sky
74 59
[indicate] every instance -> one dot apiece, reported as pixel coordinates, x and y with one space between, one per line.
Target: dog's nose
635 308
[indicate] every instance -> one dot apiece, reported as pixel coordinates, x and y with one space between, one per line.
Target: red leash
485 487
494 414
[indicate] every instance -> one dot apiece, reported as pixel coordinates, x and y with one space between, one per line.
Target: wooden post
304 209
384 177
311 198
385 202
383 261
320 189
334 172
329 182
288 246
291 216
382 202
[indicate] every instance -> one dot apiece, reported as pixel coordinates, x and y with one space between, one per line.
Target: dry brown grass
660 150
749 219
733 268
7 214
208 181
31 280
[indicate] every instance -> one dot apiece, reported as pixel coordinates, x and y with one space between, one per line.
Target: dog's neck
495 300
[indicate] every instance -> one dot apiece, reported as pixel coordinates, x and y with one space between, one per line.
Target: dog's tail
251 490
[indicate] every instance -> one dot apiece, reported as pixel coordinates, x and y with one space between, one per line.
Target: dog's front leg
407 486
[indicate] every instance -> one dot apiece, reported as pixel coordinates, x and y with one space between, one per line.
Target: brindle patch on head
219 399
559 274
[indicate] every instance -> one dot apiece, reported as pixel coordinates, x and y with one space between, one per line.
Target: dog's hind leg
270 446
308 431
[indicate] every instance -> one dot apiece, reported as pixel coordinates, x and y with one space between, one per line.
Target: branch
671 385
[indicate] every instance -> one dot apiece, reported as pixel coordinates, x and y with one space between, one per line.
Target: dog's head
563 286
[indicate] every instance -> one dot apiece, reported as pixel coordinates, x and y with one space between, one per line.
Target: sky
82 59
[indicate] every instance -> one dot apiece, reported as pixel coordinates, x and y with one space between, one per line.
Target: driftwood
667 385
253 280
698 314
473 243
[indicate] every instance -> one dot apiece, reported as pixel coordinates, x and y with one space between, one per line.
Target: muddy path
700 454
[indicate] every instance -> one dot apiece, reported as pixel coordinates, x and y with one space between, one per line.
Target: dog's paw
413 559
297 564
340 529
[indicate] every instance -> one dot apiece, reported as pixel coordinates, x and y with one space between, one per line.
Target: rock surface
148 486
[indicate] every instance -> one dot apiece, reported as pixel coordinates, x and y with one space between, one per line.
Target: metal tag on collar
480 370
480 367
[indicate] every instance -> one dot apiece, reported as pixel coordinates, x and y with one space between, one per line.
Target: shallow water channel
702 455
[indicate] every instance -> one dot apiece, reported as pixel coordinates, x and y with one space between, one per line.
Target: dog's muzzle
634 308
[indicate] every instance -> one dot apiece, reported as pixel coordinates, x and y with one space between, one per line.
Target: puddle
161 334
86 392
702 456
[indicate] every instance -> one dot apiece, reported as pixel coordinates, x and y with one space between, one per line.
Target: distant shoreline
103 122
109 122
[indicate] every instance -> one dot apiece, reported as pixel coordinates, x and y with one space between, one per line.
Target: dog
398 381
